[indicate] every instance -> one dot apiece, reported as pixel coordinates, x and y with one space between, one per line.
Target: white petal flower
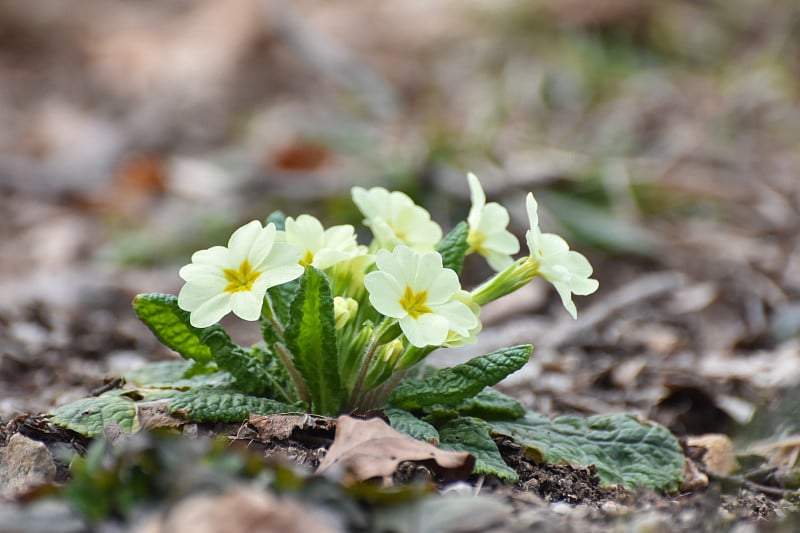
320 247
394 219
488 235
454 338
235 278
567 270
415 289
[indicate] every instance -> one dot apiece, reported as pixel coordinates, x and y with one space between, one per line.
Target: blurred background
662 138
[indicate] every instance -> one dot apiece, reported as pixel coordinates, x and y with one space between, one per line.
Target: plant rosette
347 326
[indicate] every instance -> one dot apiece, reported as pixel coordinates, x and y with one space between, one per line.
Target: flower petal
385 293
210 311
247 304
427 330
478 199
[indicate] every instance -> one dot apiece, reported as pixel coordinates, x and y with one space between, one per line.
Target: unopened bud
343 310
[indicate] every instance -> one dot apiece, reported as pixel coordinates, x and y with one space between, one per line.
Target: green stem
270 315
386 389
366 361
297 379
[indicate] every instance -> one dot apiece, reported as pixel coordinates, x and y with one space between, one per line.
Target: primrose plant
344 323
346 327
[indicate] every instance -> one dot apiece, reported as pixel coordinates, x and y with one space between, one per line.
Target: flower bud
509 280
343 310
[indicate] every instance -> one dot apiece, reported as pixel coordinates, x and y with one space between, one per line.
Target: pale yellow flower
415 289
488 235
235 278
395 219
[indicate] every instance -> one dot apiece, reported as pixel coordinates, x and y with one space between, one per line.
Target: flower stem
297 379
366 361
386 389
270 316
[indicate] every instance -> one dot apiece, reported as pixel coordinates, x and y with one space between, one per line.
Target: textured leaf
624 449
175 375
90 416
454 247
450 386
471 435
158 372
170 324
311 337
278 384
491 404
371 448
407 423
282 297
246 369
223 405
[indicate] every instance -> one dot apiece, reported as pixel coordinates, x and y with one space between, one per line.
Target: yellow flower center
414 303
308 258
241 279
475 239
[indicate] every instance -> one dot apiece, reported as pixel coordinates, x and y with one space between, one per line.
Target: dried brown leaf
719 455
285 426
368 449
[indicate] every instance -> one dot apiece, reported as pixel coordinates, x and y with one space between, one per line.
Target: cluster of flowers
400 275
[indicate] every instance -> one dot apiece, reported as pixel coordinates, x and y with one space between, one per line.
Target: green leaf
158 372
246 369
311 337
491 404
224 405
449 386
278 383
407 423
170 324
624 449
282 297
90 416
454 247
175 375
466 434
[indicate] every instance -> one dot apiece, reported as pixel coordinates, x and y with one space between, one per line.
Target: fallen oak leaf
367 449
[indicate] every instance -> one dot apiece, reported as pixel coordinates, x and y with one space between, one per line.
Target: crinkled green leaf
450 386
246 369
311 337
625 450
224 405
90 416
407 423
454 247
170 324
282 297
491 404
173 375
278 384
467 434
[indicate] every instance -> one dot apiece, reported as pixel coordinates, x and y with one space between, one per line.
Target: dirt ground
661 138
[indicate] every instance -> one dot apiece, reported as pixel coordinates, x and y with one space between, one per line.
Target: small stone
25 463
561 508
612 508
238 510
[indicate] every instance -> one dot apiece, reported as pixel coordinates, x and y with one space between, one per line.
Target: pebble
24 464
561 508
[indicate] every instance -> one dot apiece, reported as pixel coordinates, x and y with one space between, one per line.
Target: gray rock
24 464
